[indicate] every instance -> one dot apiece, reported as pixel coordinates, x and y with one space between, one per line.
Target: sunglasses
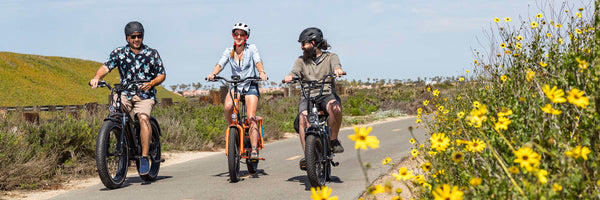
239 34
136 36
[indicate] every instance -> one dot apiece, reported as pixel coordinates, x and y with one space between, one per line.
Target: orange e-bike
237 135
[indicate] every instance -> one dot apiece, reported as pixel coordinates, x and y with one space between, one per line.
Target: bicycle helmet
311 34
241 26
134 27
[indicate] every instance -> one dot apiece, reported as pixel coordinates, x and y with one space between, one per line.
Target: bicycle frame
129 127
238 117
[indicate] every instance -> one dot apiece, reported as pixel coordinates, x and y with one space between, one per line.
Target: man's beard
309 54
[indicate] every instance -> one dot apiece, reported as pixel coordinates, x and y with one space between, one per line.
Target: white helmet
242 26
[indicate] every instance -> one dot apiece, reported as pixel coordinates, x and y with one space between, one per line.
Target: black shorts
321 102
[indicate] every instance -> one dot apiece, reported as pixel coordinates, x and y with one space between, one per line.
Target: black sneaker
337 146
303 164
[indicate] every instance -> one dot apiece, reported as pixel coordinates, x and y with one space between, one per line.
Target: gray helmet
134 27
311 34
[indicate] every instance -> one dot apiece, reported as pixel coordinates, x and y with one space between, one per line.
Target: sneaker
337 146
303 164
144 165
254 155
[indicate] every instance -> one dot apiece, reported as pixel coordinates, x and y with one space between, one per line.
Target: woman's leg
251 105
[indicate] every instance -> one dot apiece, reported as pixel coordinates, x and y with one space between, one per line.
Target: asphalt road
278 177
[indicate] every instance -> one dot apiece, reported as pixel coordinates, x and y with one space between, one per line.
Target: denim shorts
321 102
253 90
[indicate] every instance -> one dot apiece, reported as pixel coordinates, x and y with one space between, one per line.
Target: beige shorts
137 104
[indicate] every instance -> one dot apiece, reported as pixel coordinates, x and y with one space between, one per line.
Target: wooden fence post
32 117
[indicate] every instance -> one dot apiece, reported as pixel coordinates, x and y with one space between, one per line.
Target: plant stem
362 167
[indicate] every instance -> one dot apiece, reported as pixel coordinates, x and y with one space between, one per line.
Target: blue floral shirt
146 64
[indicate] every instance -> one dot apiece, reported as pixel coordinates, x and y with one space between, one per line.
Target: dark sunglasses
236 34
136 36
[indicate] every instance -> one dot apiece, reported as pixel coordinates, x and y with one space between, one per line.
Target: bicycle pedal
335 164
303 168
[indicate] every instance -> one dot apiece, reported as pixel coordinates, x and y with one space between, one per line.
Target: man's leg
334 109
142 108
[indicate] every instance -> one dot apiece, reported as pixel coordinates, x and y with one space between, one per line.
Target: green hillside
27 80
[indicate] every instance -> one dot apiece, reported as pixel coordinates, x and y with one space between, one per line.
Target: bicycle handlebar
216 78
103 83
295 79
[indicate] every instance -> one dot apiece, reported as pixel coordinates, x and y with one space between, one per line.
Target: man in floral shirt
136 61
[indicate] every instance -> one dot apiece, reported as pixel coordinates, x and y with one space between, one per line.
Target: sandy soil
171 158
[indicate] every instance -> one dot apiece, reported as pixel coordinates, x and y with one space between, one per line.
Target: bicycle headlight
233 116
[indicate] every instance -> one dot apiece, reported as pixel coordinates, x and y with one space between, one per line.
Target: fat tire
154 153
233 156
314 167
109 130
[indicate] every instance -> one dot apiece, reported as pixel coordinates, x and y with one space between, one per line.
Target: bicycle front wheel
233 156
112 158
315 161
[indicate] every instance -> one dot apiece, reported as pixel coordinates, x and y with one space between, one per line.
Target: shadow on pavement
132 180
303 180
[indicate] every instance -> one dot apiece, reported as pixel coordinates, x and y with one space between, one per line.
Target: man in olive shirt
313 65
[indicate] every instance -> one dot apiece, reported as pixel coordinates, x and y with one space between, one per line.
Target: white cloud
376 7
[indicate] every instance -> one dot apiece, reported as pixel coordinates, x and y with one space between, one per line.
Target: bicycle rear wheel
154 152
112 158
233 156
315 161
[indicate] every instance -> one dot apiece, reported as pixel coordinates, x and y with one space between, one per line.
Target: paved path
278 177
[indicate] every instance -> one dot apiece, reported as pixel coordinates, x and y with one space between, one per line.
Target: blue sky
396 39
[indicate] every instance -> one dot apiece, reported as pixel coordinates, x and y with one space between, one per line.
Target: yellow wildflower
548 109
447 192
503 45
461 79
425 102
478 116
582 63
556 187
578 31
403 174
578 151
426 166
548 35
460 114
519 38
507 19
322 193
539 15
530 75
362 138
414 153
577 98
475 145
513 170
412 140
558 25
503 78
578 15
542 176
496 20
457 156
386 160
475 181
556 96
502 123
534 24
527 158
439 141
543 64
436 92
376 189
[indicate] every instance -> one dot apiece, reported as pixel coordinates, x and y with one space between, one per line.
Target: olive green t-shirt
311 71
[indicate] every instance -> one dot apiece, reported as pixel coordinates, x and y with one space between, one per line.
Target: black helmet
134 27
311 34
